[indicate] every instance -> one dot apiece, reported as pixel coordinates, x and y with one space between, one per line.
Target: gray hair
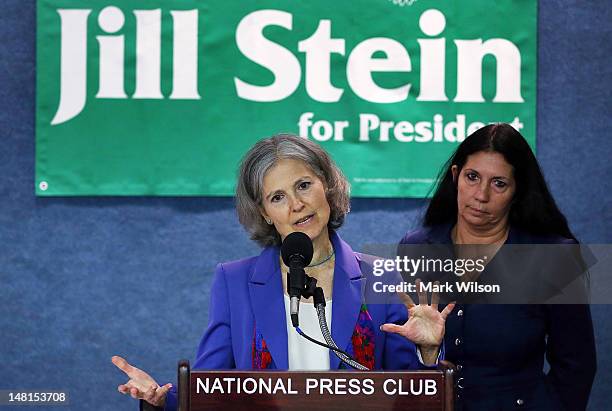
256 163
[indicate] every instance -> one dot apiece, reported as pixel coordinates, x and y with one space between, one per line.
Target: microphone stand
296 281
319 301
297 276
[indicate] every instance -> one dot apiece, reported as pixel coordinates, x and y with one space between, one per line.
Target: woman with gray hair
288 184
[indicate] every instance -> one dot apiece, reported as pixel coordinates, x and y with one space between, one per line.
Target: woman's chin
477 220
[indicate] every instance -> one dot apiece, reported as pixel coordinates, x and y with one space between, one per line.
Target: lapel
346 296
266 291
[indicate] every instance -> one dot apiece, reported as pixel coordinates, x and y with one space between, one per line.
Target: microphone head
297 245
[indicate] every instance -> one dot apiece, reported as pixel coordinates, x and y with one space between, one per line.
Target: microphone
296 252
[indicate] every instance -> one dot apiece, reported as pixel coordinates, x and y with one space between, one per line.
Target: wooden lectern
430 390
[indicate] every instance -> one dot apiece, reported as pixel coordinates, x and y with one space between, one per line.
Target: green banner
163 97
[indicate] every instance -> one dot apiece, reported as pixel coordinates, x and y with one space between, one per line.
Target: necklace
326 259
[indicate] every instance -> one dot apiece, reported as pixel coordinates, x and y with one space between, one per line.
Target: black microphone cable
303 334
319 300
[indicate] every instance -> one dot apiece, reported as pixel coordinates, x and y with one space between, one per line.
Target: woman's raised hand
425 325
141 385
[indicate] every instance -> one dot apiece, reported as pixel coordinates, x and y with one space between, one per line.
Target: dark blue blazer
249 292
499 350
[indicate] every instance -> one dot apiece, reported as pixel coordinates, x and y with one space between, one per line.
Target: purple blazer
247 298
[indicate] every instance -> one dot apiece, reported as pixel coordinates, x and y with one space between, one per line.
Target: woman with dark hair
532 207
288 184
492 192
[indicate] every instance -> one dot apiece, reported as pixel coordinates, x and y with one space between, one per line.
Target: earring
268 221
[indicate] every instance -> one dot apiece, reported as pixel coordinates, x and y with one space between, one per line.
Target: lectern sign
416 390
163 97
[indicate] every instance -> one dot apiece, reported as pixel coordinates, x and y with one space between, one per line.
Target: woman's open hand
141 385
425 325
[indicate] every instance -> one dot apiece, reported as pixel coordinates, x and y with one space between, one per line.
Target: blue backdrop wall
82 279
